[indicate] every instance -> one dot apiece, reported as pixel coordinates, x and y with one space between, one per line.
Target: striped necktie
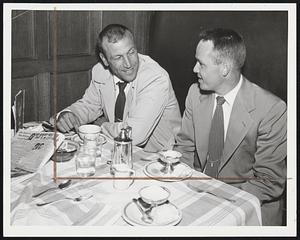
216 140
120 102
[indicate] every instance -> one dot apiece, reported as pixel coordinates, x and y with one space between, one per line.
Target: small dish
77 139
164 215
66 151
181 172
154 195
101 139
170 156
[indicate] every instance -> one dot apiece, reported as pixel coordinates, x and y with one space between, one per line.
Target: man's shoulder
150 66
263 94
98 67
263 99
195 90
99 73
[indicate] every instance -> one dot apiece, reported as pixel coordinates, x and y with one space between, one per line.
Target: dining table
198 199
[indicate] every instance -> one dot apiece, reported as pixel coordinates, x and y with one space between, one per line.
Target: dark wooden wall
169 37
174 37
33 41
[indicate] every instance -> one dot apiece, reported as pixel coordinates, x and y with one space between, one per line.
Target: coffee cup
89 131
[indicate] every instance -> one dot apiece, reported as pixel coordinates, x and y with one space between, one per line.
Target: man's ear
103 58
226 68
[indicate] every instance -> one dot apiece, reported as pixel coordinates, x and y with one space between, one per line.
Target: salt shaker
122 149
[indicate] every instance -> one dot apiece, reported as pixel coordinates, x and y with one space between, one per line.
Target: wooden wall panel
121 17
96 26
73 33
265 35
141 30
43 95
42 26
77 31
70 87
137 21
23 35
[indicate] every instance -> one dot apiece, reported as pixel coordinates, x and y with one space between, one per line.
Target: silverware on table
146 213
60 186
76 199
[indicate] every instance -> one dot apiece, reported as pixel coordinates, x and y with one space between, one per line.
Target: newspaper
31 150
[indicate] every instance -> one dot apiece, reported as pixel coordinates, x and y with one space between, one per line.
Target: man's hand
66 121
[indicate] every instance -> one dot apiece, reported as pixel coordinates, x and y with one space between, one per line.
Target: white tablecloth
105 207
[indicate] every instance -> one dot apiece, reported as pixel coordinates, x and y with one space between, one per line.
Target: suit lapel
107 88
204 115
129 98
240 121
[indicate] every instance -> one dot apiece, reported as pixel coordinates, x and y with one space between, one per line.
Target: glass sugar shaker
122 153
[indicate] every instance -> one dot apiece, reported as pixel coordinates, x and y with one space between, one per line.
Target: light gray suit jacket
151 107
255 144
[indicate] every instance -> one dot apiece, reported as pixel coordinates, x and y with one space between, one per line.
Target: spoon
76 199
60 186
146 217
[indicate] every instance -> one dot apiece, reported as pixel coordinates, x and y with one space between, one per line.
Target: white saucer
77 139
69 135
163 215
181 172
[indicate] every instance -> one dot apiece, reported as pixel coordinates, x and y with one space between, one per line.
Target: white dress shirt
116 81
227 105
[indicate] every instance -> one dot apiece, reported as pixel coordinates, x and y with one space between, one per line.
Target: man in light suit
253 155
150 107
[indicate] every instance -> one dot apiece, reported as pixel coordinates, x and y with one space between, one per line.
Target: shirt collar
117 80
230 96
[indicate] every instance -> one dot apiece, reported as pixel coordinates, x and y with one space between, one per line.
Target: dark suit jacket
255 145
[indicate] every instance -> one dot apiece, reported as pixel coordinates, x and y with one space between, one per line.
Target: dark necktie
216 140
120 102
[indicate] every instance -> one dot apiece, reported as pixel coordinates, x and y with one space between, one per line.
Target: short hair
228 44
113 33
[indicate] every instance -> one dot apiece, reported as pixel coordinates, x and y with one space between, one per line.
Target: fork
76 199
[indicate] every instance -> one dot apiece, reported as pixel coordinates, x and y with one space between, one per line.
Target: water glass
122 176
86 161
101 140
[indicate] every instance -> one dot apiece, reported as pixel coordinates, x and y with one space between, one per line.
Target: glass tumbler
86 161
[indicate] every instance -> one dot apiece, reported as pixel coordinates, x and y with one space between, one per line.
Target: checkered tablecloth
106 205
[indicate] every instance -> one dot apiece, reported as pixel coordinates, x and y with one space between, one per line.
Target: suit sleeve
185 140
89 107
270 157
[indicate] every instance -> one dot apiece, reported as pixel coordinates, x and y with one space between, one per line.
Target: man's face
121 57
209 73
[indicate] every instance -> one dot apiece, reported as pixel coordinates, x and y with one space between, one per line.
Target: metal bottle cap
123 137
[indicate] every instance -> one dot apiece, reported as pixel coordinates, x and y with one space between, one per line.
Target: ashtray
66 151
154 195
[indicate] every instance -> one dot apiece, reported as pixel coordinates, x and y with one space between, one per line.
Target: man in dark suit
248 148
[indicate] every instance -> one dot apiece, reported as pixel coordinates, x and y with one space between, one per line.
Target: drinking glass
122 176
86 161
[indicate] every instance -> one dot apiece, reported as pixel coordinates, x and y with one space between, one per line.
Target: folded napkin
66 213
